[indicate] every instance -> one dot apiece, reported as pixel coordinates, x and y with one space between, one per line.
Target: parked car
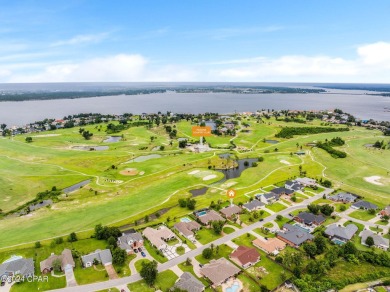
143 254
139 249
2 283
261 219
135 250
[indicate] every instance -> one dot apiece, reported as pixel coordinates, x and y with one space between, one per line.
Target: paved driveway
111 272
70 278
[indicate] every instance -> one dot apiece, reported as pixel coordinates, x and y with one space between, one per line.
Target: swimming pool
338 241
302 228
202 213
233 288
185 219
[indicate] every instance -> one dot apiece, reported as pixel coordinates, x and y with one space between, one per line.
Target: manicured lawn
268 225
323 201
262 233
164 281
223 251
248 283
190 269
359 226
376 229
330 220
173 242
180 250
228 230
361 215
249 218
138 264
381 222
337 206
296 212
154 253
206 235
52 283
276 207
282 222
89 275
245 240
124 270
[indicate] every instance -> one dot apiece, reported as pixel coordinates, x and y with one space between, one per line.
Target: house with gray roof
253 205
379 241
282 191
309 218
267 198
187 229
293 185
340 232
364 205
343 197
130 240
189 283
17 266
294 235
102 256
219 271
307 182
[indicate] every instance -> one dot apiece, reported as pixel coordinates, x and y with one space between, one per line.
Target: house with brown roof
270 245
231 210
245 256
219 271
209 216
65 258
159 237
187 229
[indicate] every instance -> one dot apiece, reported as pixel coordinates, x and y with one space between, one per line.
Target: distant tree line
289 132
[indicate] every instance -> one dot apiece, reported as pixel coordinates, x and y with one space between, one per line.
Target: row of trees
325 209
289 132
327 146
189 203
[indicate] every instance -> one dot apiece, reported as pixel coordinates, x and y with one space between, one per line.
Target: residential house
17 266
209 217
130 240
293 185
379 241
267 198
364 205
65 258
159 237
343 197
231 210
340 232
187 282
187 229
294 235
253 205
219 271
245 256
385 211
307 182
309 219
102 256
282 191
271 245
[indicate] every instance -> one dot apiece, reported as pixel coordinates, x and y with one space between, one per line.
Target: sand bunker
142 173
374 180
129 171
194 172
46 135
285 162
208 177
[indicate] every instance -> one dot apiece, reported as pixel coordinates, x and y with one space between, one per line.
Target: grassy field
164 281
362 215
117 199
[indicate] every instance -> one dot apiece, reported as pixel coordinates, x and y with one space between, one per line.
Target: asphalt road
165 266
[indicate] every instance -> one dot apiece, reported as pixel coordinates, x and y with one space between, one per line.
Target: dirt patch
129 172
375 180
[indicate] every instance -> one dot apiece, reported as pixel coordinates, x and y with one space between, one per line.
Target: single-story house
364 205
65 258
385 211
210 216
309 218
267 198
294 235
229 211
307 182
17 266
340 232
159 237
130 240
219 271
187 228
293 185
282 191
253 205
187 282
102 256
343 197
379 241
245 256
270 245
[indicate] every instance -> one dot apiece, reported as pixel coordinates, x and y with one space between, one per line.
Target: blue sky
294 41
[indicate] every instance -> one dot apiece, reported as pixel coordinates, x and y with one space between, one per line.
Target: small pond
76 186
236 172
144 158
199 192
272 141
112 139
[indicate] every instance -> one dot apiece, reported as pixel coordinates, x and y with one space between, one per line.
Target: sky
183 41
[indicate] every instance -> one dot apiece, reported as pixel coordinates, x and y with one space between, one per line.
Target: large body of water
357 103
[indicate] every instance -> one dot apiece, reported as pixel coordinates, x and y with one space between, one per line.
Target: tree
279 217
217 226
207 253
112 241
57 265
182 203
118 256
182 143
264 288
320 243
327 183
38 244
59 240
327 209
191 203
294 198
149 272
246 163
310 249
349 248
146 219
343 208
313 208
369 241
72 237
371 211
29 139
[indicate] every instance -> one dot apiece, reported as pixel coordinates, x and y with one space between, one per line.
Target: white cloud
375 54
81 39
